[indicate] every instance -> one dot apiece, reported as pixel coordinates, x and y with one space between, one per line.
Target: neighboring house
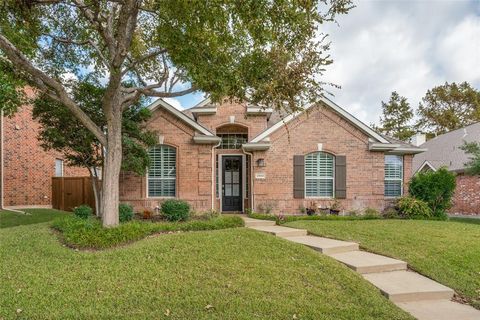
233 157
26 170
444 151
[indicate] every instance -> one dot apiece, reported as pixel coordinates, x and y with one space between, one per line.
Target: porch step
325 245
366 262
249 222
406 286
439 310
283 232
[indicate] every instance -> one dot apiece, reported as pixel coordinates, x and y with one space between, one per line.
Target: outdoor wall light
261 162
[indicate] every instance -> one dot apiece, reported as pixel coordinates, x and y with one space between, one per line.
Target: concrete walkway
420 296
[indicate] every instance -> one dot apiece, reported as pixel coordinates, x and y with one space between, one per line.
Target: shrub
206 215
125 212
390 213
371 213
175 210
83 211
435 188
89 233
410 207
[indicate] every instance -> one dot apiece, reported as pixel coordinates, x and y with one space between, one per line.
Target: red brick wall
27 168
254 123
194 167
466 199
365 169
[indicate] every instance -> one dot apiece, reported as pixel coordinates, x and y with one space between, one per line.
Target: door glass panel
236 176
228 176
228 190
236 190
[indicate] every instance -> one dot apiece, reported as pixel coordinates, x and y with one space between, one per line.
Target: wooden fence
70 192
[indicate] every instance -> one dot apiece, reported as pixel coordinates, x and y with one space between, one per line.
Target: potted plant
335 207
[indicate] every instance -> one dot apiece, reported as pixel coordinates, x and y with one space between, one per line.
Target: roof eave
255 146
203 139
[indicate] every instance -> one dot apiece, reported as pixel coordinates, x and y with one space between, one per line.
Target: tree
63 133
260 51
449 107
397 114
473 165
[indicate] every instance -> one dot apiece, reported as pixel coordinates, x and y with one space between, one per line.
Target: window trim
393 179
324 178
62 167
176 176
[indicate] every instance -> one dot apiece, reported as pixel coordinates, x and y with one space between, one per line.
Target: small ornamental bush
412 208
371 213
390 213
83 211
125 212
436 188
175 210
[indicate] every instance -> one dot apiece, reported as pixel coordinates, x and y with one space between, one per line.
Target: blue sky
407 46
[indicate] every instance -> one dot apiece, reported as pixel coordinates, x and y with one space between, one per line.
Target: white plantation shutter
393 175
319 174
162 172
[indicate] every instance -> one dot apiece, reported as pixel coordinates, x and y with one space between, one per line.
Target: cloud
174 102
404 46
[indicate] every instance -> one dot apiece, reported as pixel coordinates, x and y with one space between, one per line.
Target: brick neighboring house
232 157
25 168
444 151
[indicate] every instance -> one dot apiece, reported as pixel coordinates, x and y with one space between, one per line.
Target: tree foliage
63 133
396 118
473 165
449 107
260 51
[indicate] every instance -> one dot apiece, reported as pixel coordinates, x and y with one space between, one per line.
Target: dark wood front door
232 183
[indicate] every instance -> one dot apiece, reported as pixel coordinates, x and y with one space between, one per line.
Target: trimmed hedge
83 211
289 218
90 234
175 210
412 208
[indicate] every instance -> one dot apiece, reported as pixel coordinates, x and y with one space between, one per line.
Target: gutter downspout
2 207
252 203
213 173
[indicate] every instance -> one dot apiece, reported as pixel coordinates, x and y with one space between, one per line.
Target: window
161 177
58 168
393 175
319 174
232 140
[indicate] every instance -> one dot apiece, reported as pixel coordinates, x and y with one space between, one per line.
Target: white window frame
393 179
319 178
147 189
62 166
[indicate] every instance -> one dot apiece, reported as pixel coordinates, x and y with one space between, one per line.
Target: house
444 151
232 157
26 170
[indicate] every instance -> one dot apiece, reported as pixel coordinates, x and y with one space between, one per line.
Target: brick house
444 151
231 157
25 168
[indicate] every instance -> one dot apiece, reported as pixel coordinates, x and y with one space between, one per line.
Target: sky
399 45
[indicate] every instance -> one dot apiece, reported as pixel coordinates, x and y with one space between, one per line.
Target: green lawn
12 219
223 274
448 252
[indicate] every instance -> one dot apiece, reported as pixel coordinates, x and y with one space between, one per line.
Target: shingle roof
444 150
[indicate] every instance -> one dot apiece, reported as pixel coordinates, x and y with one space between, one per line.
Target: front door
232 183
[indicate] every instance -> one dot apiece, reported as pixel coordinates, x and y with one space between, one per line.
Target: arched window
319 174
162 174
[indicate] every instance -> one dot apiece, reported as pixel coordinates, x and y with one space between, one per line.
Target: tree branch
143 58
44 82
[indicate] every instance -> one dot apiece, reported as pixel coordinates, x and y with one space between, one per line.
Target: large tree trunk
112 165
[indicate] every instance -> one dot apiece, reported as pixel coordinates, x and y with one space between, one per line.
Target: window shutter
340 177
298 177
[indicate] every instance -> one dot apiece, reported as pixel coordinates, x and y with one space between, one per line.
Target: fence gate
70 192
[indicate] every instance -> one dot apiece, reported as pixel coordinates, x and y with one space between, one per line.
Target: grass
223 274
89 233
448 252
11 219
281 219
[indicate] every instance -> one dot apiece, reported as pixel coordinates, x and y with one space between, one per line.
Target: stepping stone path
420 296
